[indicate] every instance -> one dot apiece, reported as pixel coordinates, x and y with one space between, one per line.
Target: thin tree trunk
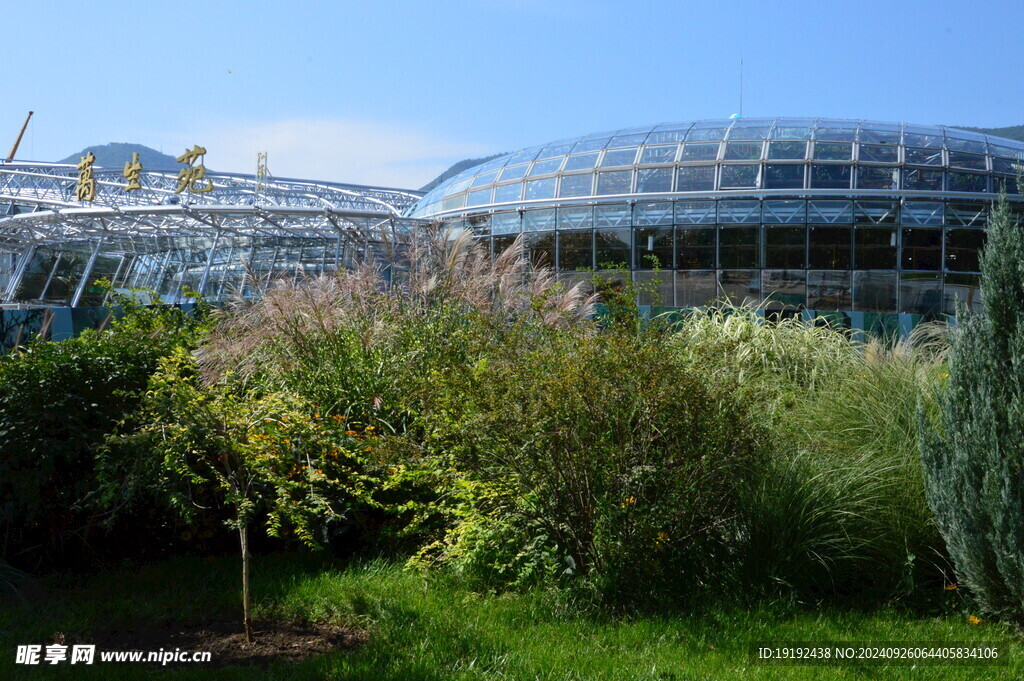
243 535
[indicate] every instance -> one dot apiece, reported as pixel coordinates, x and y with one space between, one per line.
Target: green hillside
1013 132
116 154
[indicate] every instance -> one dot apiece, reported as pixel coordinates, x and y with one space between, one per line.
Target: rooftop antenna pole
17 142
741 87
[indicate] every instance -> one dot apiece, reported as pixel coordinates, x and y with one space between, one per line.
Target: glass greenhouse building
875 225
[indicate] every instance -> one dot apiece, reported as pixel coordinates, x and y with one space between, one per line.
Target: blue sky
393 92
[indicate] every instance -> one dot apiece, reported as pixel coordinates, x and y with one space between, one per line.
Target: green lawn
424 628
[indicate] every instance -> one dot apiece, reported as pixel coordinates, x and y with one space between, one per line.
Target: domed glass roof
767 155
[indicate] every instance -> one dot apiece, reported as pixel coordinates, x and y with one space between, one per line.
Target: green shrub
974 452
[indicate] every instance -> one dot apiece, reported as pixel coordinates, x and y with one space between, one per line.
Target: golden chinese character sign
86 182
192 176
132 173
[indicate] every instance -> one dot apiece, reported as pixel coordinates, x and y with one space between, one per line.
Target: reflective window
965 141
875 248
831 212
790 130
576 185
581 161
700 152
829 290
922 157
628 140
614 181
1005 184
874 292
576 249
695 212
613 215
655 288
619 157
959 159
653 248
785 211
508 192
651 180
826 131
456 187
541 248
696 179
696 289
739 211
514 172
695 248
922 213
777 176
746 129
555 150
830 177
485 178
832 151
505 223
829 248
479 198
739 247
918 179
740 285
544 167
918 136
962 248
868 212
921 293
700 133
739 176
875 153
652 214
665 153
454 202
524 155
742 151
922 249
540 189
539 220
964 289
880 133
575 217
784 289
781 151
611 248
966 182
590 144
966 213
875 177
785 247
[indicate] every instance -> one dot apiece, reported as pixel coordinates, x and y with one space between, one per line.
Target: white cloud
340 150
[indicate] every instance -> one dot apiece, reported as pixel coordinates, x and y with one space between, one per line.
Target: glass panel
655 288
825 131
832 212
700 152
652 214
454 202
616 215
485 178
921 136
874 292
958 159
505 223
652 180
750 129
833 151
966 214
575 217
742 151
695 248
541 189
618 157
480 223
784 289
659 154
696 289
962 288
779 151
739 212
962 247
874 177
614 181
628 140
875 248
590 144
541 248
695 212
922 249
921 293
508 192
829 248
581 161
785 210
875 153
876 212
704 132
479 198
576 249
541 220
922 213
696 179
739 177
740 286
557 149
785 247
966 182
829 290
514 172
961 140
544 167
576 185
456 187
668 133
739 247
778 176
653 248
922 157
830 177
1005 184
929 180
524 155
880 133
790 130
612 248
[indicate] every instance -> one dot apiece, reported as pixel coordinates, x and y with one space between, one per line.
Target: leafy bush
974 452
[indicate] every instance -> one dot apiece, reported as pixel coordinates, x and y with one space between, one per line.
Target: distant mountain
1013 132
455 170
116 154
